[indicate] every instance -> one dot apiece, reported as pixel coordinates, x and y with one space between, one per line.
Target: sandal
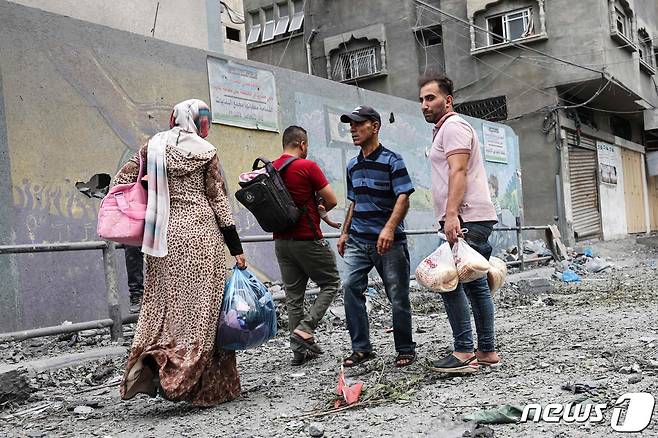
357 358
405 359
308 344
301 357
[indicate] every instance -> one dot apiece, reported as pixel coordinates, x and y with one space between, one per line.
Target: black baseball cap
361 113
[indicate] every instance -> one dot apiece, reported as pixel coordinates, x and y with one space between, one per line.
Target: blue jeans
479 295
393 267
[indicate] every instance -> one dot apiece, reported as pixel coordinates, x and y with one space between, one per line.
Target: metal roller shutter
583 167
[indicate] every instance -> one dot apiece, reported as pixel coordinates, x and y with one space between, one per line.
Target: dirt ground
601 333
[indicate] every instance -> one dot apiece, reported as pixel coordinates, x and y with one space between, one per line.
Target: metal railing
116 320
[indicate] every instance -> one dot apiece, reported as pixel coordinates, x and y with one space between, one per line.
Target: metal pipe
519 241
309 59
52 247
534 260
84 246
62 329
55 330
109 267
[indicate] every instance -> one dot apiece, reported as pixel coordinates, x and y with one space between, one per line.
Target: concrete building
235 40
584 125
582 98
193 23
376 48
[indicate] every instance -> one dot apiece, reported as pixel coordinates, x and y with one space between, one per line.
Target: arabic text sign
242 95
495 143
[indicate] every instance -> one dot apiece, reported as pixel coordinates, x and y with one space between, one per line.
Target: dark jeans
393 268
298 261
478 294
135 270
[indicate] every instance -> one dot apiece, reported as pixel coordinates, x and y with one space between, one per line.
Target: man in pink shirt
461 201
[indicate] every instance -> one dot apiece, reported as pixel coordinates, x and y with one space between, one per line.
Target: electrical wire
511 42
466 25
230 12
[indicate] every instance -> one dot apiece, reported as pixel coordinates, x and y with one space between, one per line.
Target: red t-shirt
303 178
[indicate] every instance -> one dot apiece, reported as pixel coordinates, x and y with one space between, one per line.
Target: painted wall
194 23
613 205
79 99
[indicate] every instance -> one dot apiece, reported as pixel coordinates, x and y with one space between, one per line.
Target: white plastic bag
437 271
471 265
497 274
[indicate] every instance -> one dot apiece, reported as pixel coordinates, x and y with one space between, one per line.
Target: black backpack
268 199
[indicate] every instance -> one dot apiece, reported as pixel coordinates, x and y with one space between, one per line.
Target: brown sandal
405 359
357 358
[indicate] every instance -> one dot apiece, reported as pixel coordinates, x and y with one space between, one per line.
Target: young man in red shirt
302 252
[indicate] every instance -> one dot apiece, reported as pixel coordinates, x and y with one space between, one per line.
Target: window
620 127
254 33
298 16
284 19
493 109
268 30
511 26
232 34
647 56
430 36
297 21
254 28
281 26
356 64
621 22
622 26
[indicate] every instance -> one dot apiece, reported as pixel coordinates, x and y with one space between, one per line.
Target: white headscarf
185 121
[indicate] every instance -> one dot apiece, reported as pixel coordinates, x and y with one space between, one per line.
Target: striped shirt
374 184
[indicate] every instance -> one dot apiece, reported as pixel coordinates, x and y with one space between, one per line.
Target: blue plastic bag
247 318
569 276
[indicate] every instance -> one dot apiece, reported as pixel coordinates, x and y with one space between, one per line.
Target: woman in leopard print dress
174 346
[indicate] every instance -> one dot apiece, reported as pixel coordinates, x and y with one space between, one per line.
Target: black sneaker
450 364
135 303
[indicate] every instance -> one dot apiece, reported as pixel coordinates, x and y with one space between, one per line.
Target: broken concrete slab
536 285
15 386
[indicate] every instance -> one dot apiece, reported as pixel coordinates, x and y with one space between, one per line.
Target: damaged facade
586 126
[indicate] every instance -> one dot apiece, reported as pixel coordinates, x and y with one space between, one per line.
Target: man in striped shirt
378 186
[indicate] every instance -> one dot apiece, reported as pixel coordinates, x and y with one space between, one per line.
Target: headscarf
189 124
189 121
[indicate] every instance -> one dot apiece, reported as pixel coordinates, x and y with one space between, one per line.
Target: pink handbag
122 212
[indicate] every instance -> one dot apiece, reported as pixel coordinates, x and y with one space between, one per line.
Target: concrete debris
550 334
316 430
83 410
15 386
631 369
536 285
637 378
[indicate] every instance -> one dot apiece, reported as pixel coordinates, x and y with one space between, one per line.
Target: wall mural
410 135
